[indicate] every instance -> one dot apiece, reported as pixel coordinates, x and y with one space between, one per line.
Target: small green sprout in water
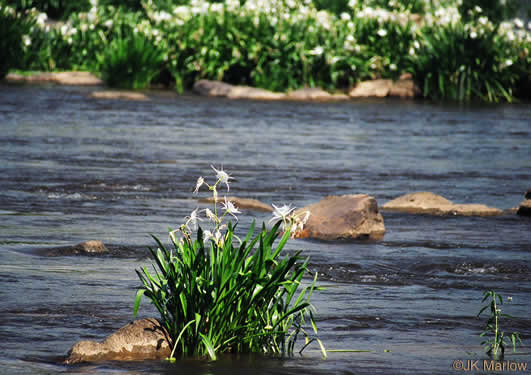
217 293
495 346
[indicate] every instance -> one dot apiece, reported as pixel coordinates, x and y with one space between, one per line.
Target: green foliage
216 297
455 62
282 45
334 6
128 5
56 9
387 44
495 10
14 30
131 61
495 346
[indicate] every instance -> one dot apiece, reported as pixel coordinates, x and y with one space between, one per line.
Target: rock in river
217 88
118 95
92 247
317 94
140 340
343 217
59 78
380 88
430 203
243 203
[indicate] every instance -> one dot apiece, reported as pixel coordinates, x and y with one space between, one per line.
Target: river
74 169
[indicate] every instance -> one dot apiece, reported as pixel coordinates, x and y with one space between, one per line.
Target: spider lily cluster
291 222
215 295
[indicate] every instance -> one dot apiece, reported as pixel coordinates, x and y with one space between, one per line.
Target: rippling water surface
74 169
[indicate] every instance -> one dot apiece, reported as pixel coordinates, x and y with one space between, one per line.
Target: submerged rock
343 217
430 203
91 247
120 95
60 78
243 203
140 340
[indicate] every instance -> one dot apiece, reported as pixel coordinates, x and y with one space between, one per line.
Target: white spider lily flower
193 218
218 238
518 23
281 212
382 32
200 181
229 207
222 176
207 235
211 216
317 51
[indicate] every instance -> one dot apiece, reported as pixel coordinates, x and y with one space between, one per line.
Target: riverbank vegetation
454 49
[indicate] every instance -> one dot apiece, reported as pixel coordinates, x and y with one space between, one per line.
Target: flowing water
74 169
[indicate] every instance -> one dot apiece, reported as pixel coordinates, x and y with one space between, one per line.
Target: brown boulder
430 203
315 94
246 92
378 88
217 88
60 78
139 340
206 87
243 203
92 246
343 217
405 87
120 95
